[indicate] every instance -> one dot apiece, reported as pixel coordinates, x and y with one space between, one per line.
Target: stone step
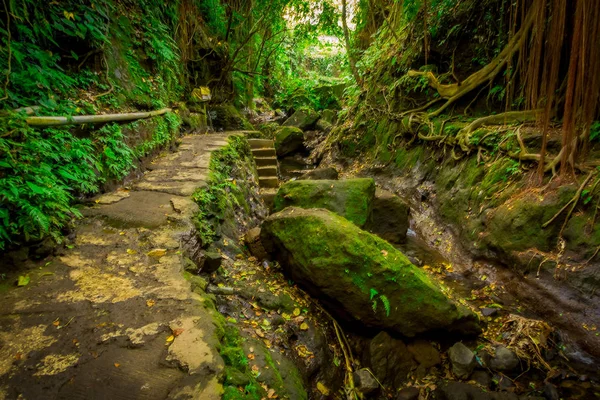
267 171
268 182
261 143
263 152
268 196
266 161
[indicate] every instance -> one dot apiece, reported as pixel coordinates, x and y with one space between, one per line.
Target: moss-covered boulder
288 140
304 119
350 198
225 117
320 173
359 276
389 219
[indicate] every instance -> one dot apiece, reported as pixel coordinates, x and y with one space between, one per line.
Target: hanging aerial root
453 92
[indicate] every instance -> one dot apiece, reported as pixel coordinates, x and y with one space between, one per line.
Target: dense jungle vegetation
459 75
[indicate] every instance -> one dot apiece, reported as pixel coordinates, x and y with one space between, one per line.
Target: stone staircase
263 151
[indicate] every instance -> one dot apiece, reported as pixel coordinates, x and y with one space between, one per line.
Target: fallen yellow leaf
157 253
304 326
323 389
150 303
296 312
117 365
170 338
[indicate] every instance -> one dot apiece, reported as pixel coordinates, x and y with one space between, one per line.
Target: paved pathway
113 317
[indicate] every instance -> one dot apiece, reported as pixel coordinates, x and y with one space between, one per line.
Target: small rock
190 266
411 393
424 353
488 312
550 392
503 382
320 173
484 358
252 240
223 291
212 262
504 360
277 320
237 378
463 360
199 284
482 378
464 391
364 381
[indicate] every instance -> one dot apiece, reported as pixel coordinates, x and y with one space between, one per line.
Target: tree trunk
92 119
351 59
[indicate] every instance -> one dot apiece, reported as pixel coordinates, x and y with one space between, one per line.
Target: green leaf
23 280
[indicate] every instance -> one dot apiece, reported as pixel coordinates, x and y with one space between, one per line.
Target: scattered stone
350 198
464 391
329 116
320 173
504 360
199 284
303 119
323 125
503 382
360 276
411 393
288 140
482 378
488 312
365 382
484 358
236 378
389 220
190 266
550 392
212 262
252 240
424 353
390 360
463 360
221 291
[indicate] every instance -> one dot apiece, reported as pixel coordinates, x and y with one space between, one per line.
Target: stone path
112 317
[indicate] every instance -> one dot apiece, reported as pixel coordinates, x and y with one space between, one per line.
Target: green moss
350 198
223 196
408 158
236 363
325 248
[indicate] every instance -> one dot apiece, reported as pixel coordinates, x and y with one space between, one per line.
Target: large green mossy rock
288 140
350 198
227 118
304 119
359 276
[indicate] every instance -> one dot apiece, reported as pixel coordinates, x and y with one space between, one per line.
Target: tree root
464 136
573 203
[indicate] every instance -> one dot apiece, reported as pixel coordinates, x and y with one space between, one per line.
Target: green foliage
595 131
40 172
236 362
222 195
215 16
116 156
